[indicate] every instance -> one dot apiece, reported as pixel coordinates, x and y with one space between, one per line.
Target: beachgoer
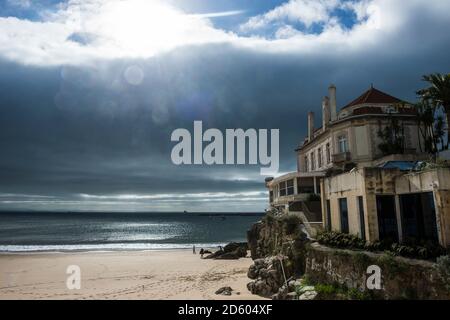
193 249
201 253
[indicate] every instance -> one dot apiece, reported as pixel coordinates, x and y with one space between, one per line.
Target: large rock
252 272
308 295
268 276
262 288
214 255
234 246
291 296
225 291
231 251
228 256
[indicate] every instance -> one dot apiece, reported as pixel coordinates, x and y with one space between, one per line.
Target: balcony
341 157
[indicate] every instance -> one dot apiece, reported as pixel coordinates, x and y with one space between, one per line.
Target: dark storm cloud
66 131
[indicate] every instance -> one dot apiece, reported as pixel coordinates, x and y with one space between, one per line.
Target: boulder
251 286
264 273
306 289
292 296
233 246
252 272
227 256
281 294
269 278
259 262
214 255
231 251
308 295
261 288
226 291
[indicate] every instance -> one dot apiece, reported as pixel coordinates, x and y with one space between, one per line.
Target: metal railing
341 157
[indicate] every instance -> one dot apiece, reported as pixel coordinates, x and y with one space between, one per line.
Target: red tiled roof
378 110
373 96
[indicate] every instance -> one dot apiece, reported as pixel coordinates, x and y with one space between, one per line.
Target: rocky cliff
277 246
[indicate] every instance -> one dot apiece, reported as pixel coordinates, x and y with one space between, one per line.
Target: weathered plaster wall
370 182
442 199
366 182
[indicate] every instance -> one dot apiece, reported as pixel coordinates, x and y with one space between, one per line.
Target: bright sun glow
142 28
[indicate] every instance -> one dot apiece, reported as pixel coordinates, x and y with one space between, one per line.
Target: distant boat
185 212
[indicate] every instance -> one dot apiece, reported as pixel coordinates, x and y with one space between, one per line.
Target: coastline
151 274
28 249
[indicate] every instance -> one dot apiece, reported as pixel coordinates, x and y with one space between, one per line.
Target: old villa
355 174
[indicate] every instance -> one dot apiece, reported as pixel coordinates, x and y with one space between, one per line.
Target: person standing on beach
193 249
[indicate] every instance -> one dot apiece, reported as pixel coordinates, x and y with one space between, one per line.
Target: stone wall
401 278
282 238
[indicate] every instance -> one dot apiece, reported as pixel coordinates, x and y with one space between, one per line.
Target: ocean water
58 231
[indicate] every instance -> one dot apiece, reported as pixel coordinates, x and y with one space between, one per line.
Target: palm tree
438 93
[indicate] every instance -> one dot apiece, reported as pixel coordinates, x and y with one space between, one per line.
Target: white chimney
325 113
332 95
310 126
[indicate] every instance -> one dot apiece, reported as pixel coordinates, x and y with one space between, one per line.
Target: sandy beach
171 274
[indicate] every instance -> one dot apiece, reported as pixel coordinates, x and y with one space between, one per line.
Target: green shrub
391 266
325 289
269 218
307 281
355 294
410 249
362 259
290 223
341 240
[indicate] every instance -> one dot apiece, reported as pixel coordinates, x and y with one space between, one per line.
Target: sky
90 90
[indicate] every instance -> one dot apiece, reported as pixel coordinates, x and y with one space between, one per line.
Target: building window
287 188
282 189
306 164
328 153
343 210
319 157
290 187
329 227
362 224
387 218
342 141
303 187
313 162
271 196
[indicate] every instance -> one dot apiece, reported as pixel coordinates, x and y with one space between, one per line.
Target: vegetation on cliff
421 250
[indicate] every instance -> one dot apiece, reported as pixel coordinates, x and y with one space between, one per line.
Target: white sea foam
106 247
